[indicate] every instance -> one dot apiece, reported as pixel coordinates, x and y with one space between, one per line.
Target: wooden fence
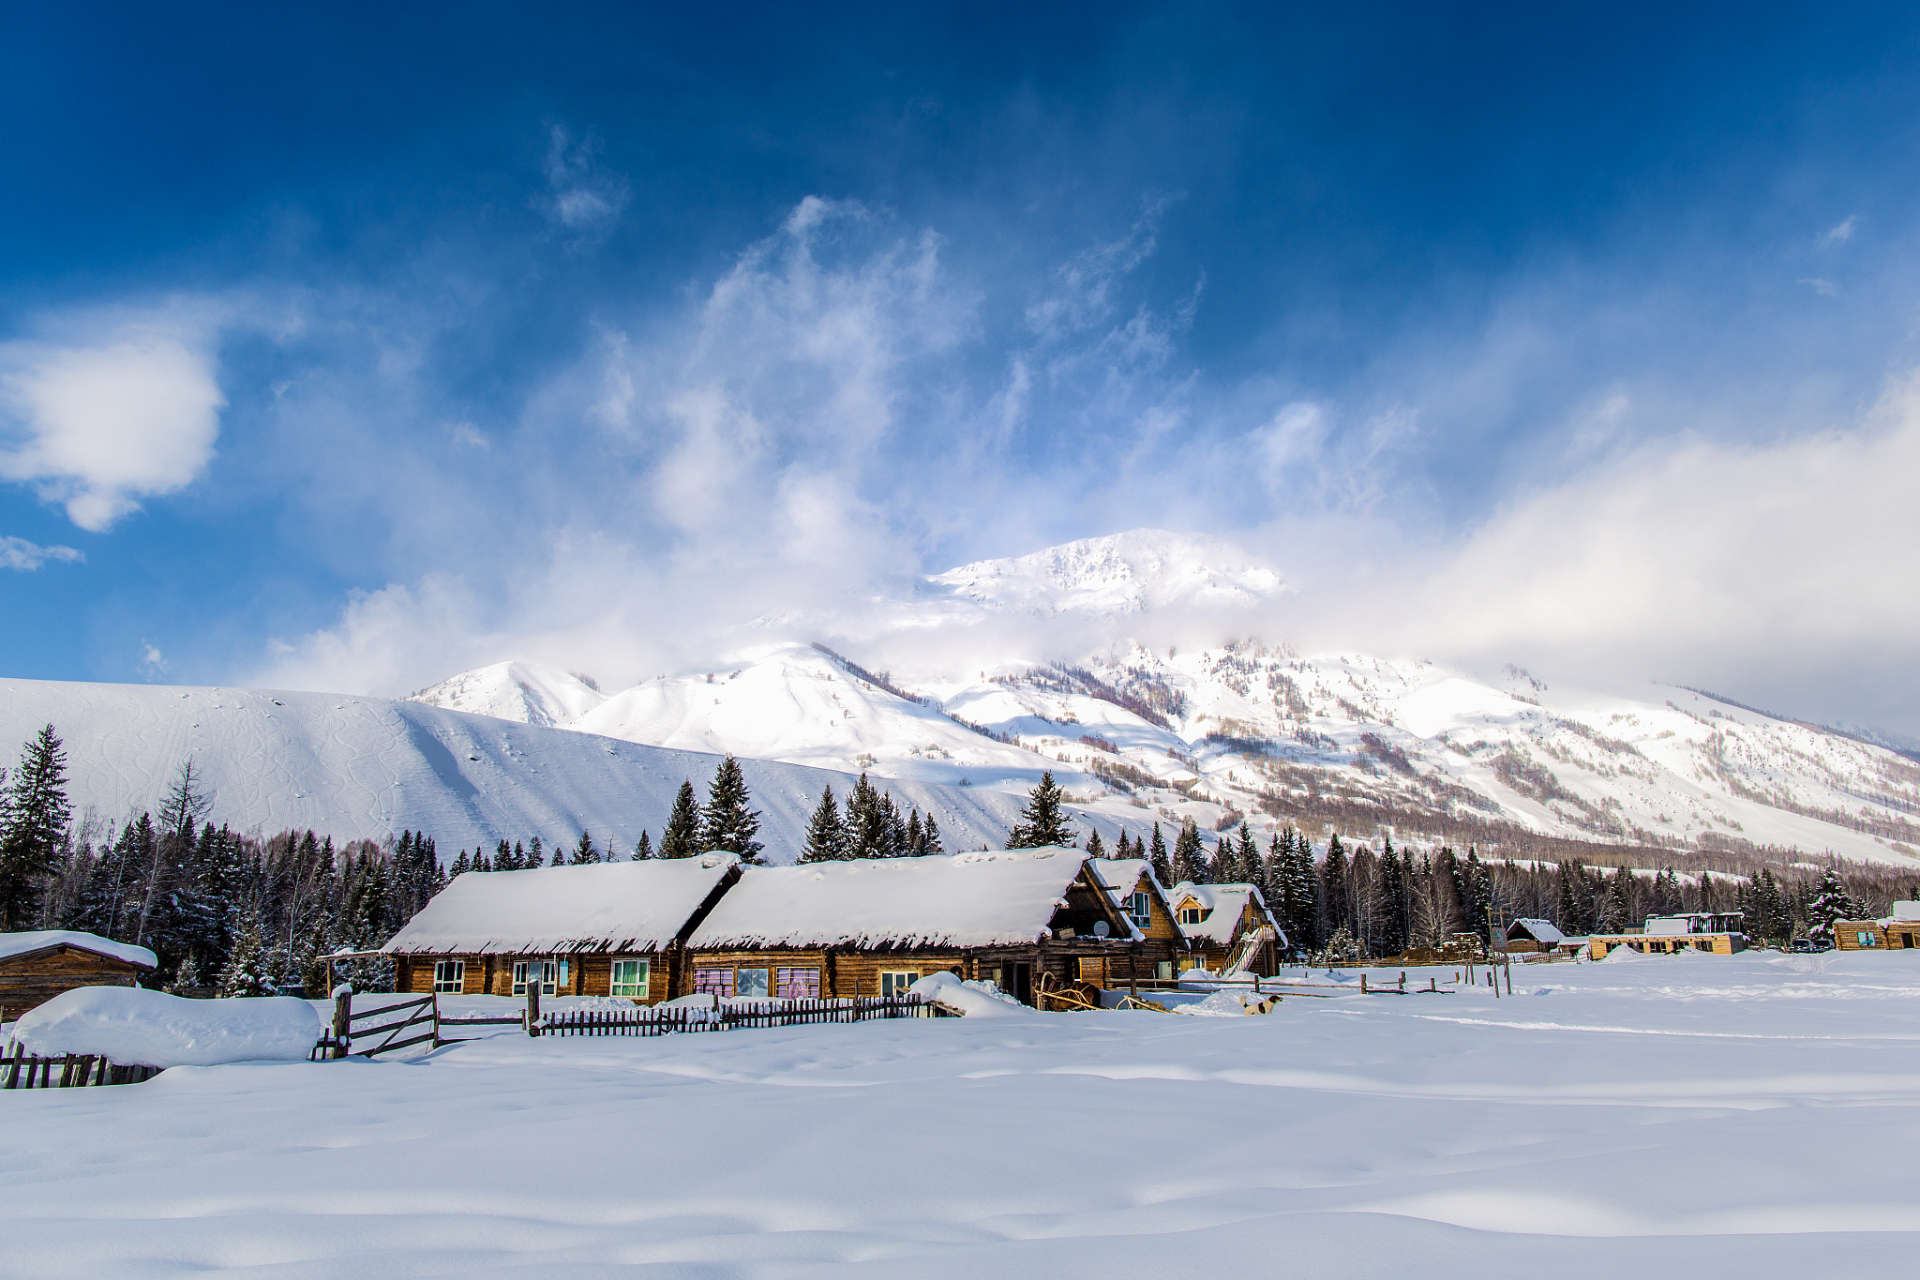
657 1021
75 1070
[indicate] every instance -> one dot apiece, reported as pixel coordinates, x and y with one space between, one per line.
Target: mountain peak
1123 573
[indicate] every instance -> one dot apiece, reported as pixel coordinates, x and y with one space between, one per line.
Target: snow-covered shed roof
21 944
1541 931
607 906
982 899
1224 904
1904 911
1121 876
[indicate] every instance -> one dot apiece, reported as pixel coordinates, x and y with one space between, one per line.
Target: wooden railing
775 1013
22 1070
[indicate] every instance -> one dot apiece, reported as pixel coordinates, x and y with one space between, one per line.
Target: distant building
1717 933
1528 935
1897 932
35 967
1228 928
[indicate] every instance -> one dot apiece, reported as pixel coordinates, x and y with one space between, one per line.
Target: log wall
31 980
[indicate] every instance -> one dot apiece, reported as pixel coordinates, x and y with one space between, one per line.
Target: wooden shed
1030 920
605 929
1227 928
35 967
1134 888
1897 932
1529 935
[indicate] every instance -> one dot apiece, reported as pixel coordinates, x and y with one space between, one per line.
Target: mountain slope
1125 573
367 767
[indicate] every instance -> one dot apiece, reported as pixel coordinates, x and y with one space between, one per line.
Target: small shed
1134 888
1532 935
604 929
1030 920
1899 931
1228 928
37 966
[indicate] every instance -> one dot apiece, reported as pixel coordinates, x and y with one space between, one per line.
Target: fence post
535 974
343 1017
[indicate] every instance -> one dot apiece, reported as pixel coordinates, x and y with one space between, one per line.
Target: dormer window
1192 915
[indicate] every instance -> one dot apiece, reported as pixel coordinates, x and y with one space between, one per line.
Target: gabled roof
1541 931
1122 876
1224 904
608 906
22 944
989 898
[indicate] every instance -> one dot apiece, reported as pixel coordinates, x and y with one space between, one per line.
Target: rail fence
658 1021
21 1070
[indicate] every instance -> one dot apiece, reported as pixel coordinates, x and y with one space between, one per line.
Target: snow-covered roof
983 899
20 944
1542 931
1121 876
607 906
1906 911
1224 904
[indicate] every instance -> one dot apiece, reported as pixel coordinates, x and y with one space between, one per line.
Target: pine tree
826 833
1189 858
1336 890
681 839
1304 928
460 865
1617 913
33 828
930 837
1095 849
729 824
584 854
1396 903
1157 859
1831 902
1043 822
896 827
643 852
246 972
1246 857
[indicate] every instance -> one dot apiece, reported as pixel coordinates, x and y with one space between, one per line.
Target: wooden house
1897 932
1526 936
605 929
1134 888
1031 920
35 967
1716 933
1227 928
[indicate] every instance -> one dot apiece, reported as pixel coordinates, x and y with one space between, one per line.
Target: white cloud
18 553
127 412
153 663
582 196
1840 233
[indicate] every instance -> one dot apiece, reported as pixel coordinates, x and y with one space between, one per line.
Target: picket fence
657 1021
21 1070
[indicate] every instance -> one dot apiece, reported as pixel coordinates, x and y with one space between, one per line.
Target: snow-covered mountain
1246 728
369 767
1125 573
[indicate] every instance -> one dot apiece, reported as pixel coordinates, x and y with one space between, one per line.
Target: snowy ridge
1124 573
369 767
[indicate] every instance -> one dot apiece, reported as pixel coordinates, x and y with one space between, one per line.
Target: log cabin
1134 888
1033 921
1227 928
613 929
1716 933
37 966
1530 936
1899 931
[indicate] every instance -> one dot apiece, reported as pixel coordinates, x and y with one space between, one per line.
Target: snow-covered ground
1697 1115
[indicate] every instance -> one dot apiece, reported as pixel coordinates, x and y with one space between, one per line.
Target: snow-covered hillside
369 767
1247 728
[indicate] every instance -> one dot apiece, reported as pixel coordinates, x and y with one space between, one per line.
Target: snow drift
132 1027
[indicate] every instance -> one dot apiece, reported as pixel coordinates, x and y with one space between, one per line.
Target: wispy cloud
18 553
1839 233
582 196
115 408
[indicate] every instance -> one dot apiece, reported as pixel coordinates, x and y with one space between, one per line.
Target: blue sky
353 347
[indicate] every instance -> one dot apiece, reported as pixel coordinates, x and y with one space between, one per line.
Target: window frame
892 987
443 986
643 968
554 975
704 979
785 986
765 982
1193 915
1140 909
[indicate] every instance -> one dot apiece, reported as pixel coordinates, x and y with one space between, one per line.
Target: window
797 984
894 982
1140 907
1866 938
553 975
1192 915
718 982
751 982
449 975
630 979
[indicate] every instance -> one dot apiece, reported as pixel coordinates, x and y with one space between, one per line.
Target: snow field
1745 1115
